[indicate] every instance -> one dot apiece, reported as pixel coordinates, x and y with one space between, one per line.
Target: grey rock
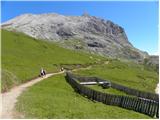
153 59
97 35
96 44
152 62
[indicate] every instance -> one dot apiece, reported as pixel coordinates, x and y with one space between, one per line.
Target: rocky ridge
85 32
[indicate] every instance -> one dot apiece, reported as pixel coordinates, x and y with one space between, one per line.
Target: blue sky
139 19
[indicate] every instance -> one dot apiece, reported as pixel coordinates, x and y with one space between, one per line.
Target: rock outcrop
93 34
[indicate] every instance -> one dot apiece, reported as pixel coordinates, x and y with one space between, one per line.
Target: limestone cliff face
84 32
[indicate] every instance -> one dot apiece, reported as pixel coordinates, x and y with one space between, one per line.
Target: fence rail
145 106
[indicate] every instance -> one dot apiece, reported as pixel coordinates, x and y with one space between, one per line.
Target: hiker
62 69
42 72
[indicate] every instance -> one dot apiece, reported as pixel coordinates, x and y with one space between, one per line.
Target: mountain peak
86 14
96 35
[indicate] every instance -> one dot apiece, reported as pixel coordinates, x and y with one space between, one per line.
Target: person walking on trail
42 72
62 69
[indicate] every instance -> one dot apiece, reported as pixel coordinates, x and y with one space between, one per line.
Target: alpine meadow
71 66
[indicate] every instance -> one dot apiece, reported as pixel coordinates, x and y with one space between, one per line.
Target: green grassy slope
23 56
128 74
107 90
55 98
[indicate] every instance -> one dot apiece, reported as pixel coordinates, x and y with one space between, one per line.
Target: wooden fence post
134 103
157 112
127 102
121 101
109 99
154 108
137 105
106 97
150 108
124 102
147 107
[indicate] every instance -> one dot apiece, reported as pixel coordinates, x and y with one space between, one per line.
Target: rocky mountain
84 32
153 59
152 62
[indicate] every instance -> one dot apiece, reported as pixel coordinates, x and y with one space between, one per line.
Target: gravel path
157 89
10 98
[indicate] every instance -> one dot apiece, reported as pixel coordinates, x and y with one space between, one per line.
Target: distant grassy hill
23 56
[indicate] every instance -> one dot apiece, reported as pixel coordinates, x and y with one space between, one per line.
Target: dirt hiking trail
10 98
157 89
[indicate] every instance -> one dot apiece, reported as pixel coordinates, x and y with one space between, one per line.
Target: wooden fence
125 89
135 92
145 106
